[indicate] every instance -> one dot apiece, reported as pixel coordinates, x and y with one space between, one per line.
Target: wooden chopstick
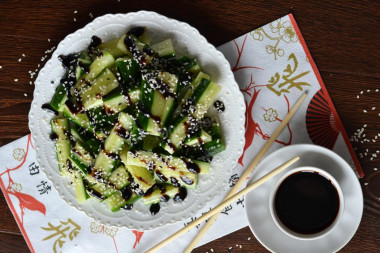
228 201
249 169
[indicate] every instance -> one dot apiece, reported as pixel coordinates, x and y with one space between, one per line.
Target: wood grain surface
343 37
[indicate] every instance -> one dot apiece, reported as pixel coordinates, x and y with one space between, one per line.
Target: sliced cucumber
177 134
128 69
98 189
214 147
155 161
102 85
131 105
81 157
89 143
164 48
186 179
80 119
142 176
83 65
105 163
116 102
204 98
120 134
62 146
150 142
79 186
111 47
119 177
202 137
161 193
103 61
59 98
119 200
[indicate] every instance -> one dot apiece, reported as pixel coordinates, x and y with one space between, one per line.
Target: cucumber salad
130 122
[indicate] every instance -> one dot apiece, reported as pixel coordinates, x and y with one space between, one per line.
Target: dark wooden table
343 37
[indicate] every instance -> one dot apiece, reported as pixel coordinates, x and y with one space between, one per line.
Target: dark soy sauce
47 107
306 202
154 209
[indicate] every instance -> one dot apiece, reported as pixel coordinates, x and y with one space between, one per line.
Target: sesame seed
75 20
25 94
373 108
75 11
16 80
357 96
361 92
365 183
23 55
19 60
368 90
365 111
49 40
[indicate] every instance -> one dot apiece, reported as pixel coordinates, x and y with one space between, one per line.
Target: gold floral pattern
15 187
279 31
270 115
18 154
99 228
96 227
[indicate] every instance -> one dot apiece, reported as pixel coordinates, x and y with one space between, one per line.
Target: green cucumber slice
117 201
205 99
62 146
59 98
105 163
186 179
104 60
120 134
164 48
79 186
143 158
200 138
98 189
89 143
111 47
163 192
142 176
81 157
128 69
102 85
119 177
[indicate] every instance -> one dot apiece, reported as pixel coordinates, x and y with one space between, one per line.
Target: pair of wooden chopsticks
214 213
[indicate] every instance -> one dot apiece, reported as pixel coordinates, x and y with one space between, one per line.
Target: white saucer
257 201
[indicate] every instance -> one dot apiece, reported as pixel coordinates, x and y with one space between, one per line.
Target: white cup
292 233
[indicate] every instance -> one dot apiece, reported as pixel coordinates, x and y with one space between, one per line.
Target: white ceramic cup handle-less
306 236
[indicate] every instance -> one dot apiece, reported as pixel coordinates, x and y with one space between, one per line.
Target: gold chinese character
288 80
60 232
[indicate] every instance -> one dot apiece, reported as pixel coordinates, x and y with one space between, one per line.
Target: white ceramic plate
257 202
186 40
